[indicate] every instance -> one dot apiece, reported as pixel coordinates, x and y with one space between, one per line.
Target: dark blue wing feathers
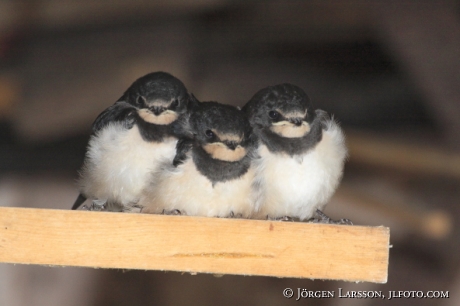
121 112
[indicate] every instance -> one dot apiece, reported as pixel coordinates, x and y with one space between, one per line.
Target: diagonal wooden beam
425 37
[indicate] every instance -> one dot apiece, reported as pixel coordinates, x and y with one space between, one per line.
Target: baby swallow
211 174
301 154
131 139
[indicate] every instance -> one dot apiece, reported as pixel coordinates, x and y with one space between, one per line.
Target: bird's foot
96 205
283 218
174 212
132 208
237 216
323 218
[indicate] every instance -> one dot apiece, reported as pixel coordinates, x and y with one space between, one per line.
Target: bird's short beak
231 145
296 121
157 110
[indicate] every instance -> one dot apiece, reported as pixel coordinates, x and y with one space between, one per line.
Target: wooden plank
193 244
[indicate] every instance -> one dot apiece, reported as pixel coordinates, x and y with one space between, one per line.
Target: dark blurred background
388 70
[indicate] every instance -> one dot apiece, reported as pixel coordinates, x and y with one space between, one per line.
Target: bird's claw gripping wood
323 218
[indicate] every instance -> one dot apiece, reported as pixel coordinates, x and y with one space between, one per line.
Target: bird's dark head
222 131
159 97
283 109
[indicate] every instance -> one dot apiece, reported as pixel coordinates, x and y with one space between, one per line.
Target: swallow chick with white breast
301 154
130 139
212 174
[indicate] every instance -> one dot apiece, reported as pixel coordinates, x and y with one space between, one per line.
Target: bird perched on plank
130 139
212 174
301 154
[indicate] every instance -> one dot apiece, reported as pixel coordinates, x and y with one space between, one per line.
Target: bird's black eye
273 115
209 134
174 104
